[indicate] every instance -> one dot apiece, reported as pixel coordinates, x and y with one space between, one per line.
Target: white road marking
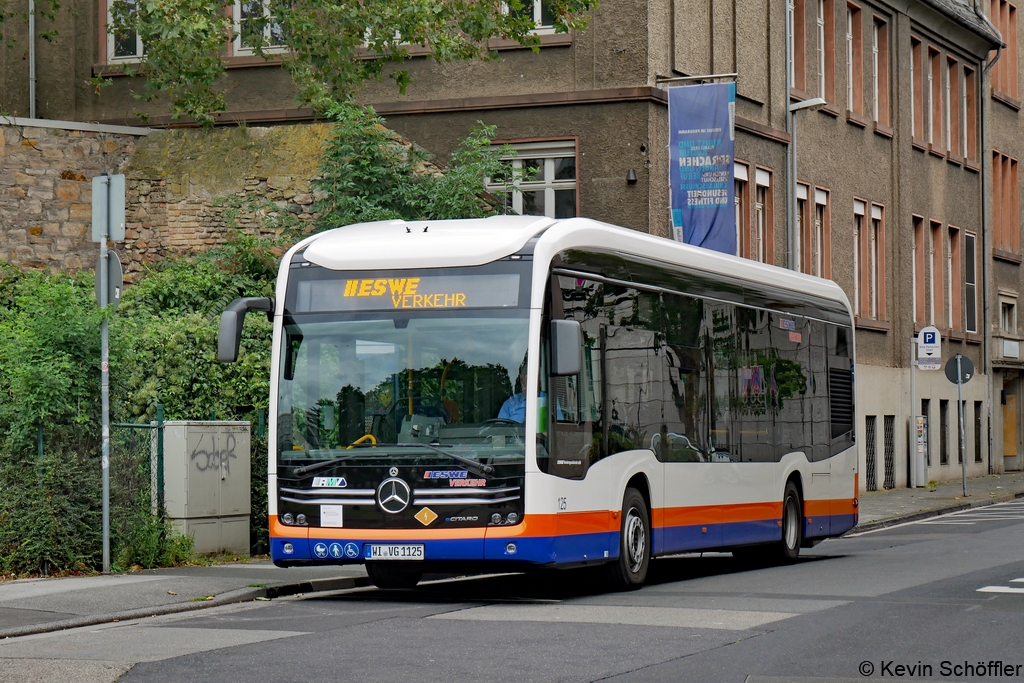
1000 589
676 617
989 513
948 523
1016 580
21 590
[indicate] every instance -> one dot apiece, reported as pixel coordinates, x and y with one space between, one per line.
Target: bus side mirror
566 347
229 336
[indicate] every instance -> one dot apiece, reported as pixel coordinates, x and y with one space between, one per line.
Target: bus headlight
496 518
300 518
512 518
289 548
287 518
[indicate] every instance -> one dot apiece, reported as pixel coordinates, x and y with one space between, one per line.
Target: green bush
163 350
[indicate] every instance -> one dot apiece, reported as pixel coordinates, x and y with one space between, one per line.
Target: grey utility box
206 483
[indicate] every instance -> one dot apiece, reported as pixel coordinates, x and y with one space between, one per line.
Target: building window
547 179
970 114
952 106
798 44
854 61
821 243
977 430
935 94
761 233
880 71
859 275
970 281
742 199
123 47
943 432
876 270
802 251
1004 74
918 274
248 33
826 50
1008 316
1005 202
925 408
955 281
935 274
917 88
542 15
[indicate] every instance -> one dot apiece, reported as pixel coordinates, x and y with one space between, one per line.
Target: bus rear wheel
387 575
630 570
788 549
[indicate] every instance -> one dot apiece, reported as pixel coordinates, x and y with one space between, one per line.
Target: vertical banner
701 122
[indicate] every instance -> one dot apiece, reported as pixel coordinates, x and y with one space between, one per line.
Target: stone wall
46 193
186 189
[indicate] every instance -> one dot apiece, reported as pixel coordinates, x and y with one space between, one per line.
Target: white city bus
520 392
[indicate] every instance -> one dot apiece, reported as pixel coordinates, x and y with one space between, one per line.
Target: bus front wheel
387 575
630 570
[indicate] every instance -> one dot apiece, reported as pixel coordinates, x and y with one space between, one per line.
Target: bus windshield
401 384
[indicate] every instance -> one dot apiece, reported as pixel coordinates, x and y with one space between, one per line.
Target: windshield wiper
468 462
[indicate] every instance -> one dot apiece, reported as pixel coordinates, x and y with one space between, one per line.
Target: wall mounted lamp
631 177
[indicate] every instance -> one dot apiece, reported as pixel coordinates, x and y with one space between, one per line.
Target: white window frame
1011 302
949 280
963 112
947 106
547 152
740 186
111 58
858 226
821 49
930 125
818 239
971 285
849 59
874 68
759 234
874 248
240 50
538 15
913 125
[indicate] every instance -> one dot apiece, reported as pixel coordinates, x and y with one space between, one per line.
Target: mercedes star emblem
393 495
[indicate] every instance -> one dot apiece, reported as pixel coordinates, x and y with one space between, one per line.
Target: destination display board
414 292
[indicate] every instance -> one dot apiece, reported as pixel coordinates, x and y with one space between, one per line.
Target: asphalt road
949 589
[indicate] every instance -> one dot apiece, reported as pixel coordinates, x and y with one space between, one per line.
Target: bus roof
398 244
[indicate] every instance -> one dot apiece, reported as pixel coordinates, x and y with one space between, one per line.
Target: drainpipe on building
986 229
790 148
31 59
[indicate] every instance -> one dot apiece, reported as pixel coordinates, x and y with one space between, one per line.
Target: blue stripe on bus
571 548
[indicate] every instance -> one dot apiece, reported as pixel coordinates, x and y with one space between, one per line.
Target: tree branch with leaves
330 48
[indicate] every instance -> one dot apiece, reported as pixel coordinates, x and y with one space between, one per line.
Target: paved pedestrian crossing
992 513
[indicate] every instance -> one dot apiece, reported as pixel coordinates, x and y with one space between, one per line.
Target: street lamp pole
791 185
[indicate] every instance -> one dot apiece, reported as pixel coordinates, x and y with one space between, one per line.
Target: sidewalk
884 508
41 605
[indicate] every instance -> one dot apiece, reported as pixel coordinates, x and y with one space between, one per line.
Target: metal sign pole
960 412
105 382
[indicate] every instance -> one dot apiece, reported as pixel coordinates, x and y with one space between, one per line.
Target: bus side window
818 392
682 392
574 403
788 381
840 387
727 380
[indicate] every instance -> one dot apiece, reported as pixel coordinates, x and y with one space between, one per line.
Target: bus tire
788 549
388 575
629 571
